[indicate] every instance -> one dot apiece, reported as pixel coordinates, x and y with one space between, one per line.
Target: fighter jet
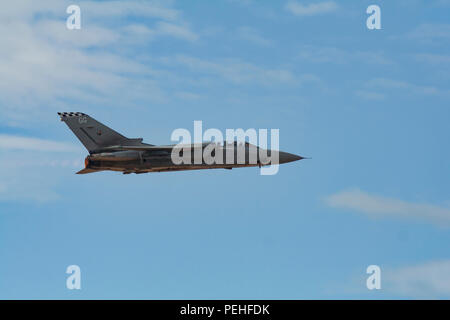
109 150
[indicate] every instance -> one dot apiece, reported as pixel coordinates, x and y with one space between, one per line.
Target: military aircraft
109 150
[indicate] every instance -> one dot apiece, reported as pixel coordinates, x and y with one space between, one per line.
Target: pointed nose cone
286 157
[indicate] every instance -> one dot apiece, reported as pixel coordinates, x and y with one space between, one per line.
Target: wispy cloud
398 85
10 142
370 95
183 95
242 2
432 58
252 35
427 280
48 65
378 206
114 9
442 2
430 33
240 72
311 9
176 31
324 54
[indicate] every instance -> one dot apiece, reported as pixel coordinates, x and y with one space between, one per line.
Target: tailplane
87 170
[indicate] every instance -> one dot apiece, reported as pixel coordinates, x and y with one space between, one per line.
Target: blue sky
371 107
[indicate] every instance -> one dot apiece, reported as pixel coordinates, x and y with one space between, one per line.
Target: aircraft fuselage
161 160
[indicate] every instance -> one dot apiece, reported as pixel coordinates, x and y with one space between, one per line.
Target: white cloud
45 67
431 58
430 33
251 35
240 72
114 9
427 280
378 206
396 85
10 142
50 31
176 31
183 95
323 54
370 95
27 9
242 2
311 9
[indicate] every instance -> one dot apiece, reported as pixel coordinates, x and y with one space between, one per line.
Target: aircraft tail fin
92 134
